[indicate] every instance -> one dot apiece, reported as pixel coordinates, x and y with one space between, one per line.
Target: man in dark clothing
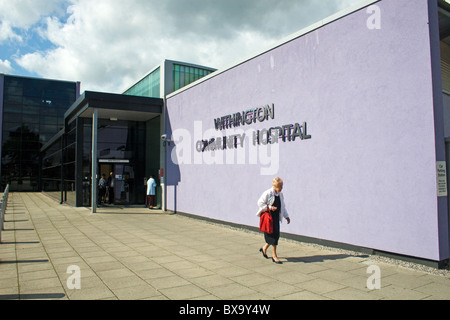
110 184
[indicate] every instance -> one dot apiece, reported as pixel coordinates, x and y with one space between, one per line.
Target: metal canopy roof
115 106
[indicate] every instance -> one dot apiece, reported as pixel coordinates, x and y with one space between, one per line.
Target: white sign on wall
441 169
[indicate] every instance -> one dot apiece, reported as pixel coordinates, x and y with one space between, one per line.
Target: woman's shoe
265 255
277 262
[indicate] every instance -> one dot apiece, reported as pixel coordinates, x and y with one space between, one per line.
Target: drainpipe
94 161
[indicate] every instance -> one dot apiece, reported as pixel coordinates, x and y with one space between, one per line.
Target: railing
3 204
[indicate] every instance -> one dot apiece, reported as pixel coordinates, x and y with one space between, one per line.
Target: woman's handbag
266 222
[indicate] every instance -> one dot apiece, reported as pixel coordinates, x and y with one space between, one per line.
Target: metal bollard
3 204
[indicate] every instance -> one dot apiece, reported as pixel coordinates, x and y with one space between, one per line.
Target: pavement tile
437 290
232 271
140 266
86 281
332 274
231 291
135 292
37 284
392 292
183 292
43 274
168 282
105 259
195 272
94 293
276 288
155 273
102 266
356 282
305 268
406 280
115 273
129 254
303 295
250 280
210 281
351 294
320 286
292 277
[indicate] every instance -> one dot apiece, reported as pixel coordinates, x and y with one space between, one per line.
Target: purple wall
367 176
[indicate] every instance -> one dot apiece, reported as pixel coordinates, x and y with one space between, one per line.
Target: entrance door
119 192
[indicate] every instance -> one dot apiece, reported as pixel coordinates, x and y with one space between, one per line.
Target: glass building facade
167 78
185 74
48 129
149 86
164 79
32 113
127 139
58 165
119 151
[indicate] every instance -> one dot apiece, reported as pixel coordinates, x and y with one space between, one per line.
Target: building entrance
120 177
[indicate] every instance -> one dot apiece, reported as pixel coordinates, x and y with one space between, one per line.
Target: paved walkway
141 254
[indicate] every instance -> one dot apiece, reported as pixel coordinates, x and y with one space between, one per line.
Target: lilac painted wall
367 177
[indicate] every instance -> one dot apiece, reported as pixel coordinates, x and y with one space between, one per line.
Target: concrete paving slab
132 253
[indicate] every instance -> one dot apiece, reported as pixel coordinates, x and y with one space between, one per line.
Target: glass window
25 130
147 87
12 117
13 99
12 107
69 171
14 91
184 75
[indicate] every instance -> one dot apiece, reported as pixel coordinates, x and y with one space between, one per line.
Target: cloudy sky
109 44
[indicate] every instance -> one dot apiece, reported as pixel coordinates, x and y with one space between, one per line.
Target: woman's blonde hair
277 182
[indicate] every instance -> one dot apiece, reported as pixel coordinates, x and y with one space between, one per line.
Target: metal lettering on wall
272 135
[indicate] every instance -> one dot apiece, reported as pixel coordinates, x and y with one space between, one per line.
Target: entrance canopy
114 107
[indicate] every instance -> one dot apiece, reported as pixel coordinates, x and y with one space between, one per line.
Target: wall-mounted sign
285 133
441 169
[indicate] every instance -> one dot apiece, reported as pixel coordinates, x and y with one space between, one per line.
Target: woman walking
273 200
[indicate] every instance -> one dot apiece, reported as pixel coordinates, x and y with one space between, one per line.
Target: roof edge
321 23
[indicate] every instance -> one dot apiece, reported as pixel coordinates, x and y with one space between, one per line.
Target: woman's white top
267 199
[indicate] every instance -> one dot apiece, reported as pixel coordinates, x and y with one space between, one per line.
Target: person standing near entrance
273 200
151 193
102 189
110 185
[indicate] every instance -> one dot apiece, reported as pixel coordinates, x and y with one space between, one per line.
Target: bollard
2 212
3 204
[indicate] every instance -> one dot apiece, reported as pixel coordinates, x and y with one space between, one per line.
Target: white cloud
5 66
24 13
109 44
7 33
18 15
